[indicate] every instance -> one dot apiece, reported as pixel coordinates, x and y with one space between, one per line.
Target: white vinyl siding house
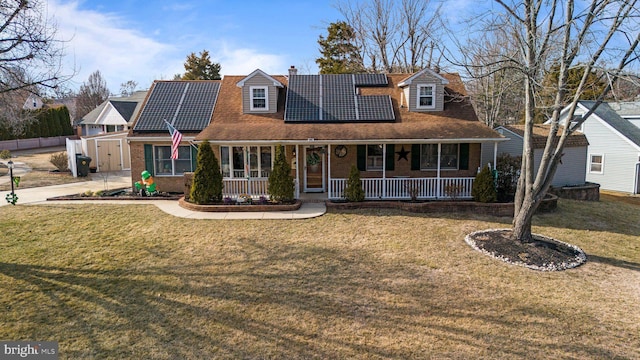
571 170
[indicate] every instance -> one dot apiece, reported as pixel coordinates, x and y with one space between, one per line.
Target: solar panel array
332 98
303 98
187 105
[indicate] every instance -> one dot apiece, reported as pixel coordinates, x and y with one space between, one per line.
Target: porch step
313 197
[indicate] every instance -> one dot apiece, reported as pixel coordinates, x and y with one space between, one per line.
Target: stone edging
238 208
580 259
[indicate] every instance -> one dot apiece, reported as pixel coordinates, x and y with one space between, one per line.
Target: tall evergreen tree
200 67
207 179
281 185
340 55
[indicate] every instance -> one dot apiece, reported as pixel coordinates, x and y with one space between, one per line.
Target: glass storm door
313 169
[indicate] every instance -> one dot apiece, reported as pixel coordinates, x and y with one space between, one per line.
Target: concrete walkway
39 196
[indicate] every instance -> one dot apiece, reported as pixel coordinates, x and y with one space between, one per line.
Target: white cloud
101 41
242 61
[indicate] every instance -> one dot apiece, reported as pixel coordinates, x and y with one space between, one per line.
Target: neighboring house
613 159
410 135
32 102
115 114
573 165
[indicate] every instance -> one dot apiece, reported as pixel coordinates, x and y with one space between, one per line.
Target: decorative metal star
402 154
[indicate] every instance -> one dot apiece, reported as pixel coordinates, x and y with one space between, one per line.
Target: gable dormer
424 91
259 93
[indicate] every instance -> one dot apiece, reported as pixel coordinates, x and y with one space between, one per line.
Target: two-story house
410 135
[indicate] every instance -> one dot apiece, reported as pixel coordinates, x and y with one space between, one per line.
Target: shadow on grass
275 300
614 262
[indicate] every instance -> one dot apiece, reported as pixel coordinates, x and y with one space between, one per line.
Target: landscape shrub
281 184
353 192
484 189
60 161
207 179
508 168
5 154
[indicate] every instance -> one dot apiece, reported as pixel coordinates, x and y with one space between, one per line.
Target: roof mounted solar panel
338 98
188 105
375 108
370 80
303 98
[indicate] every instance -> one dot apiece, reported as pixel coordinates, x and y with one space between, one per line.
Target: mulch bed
543 253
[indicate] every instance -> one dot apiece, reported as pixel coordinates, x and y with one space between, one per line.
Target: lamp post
12 198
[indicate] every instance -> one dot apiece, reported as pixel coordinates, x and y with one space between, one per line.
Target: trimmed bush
5 154
508 168
281 184
353 192
60 161
207 179
484 189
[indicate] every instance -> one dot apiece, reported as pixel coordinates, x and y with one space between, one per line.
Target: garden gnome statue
147 186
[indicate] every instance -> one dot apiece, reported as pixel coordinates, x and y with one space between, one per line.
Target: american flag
176 138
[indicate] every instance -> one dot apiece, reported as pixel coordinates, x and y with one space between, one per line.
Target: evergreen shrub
207 179
281 184
484 189
353 192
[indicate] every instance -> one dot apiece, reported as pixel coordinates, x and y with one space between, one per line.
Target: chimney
293 71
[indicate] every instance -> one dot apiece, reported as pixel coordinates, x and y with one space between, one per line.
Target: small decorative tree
207 179
484 190
281 185
353 191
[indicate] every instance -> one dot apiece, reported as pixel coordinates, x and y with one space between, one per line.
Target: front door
313 169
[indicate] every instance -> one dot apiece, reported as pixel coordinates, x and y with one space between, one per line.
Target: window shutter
415 157
148 158
362 157
194 157
464 156
390 160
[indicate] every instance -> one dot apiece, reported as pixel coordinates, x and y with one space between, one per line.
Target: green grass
110 281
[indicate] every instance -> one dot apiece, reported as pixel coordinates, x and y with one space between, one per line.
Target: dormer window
426 97
259 98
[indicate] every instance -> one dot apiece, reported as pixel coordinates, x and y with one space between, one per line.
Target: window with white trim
596 163
426 97
374 157
166 166
246 161
259 98
449 156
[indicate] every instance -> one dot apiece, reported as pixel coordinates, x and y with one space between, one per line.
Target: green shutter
415 157
148 158
362 157
390 160
464 156
194 157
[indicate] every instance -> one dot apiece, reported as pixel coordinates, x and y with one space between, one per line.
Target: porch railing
255 187
407 188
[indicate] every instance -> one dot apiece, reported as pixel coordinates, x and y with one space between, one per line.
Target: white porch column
329 171
384 171
438 173
495 154
297 169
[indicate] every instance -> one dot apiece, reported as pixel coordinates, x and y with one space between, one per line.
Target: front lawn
129 281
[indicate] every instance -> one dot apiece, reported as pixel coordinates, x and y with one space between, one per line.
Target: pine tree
339 54
200 67
484 190
354 191
207 179
281 185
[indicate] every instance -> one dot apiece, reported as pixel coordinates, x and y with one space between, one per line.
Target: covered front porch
437 171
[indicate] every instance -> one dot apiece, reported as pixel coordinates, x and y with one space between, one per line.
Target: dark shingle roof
611 117
540 133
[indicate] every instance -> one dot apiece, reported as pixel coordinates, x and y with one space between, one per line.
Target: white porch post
297 169
329 171
495 153
438 173
384 171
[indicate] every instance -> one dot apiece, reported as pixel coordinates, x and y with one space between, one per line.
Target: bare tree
92 93
565 34
30 55
395 36
127 88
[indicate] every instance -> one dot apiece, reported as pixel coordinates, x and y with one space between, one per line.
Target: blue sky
147 40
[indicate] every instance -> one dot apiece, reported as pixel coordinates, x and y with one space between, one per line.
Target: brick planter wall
586 192
550 203
238 208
